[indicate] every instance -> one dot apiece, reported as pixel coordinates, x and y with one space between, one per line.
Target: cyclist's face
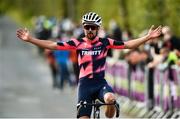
91 31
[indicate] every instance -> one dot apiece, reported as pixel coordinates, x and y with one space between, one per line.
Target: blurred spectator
172 43
43 29
102 33
78 31
156 60
67 25
127 35
52 63
62 59
170 40
178 55
116 34
39 26
66 60
144 59
56 30
173 57
115 30
172 60
132 58
155 46
74 60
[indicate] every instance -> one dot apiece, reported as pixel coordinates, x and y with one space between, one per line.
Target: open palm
23 34
154 33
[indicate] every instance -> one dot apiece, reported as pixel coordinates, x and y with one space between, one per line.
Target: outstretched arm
153 33
24 35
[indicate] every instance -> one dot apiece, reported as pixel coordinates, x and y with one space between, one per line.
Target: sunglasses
87 27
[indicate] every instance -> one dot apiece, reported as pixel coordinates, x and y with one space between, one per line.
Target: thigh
84 95
104 89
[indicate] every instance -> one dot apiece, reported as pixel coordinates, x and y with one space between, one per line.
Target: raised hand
23 34
154 33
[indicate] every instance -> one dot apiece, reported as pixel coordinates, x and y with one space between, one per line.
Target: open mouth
90 34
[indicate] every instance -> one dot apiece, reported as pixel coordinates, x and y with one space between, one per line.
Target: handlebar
98 104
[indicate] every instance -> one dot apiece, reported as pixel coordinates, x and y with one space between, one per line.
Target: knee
109 98
84 117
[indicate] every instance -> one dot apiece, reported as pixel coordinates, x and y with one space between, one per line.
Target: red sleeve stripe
117 47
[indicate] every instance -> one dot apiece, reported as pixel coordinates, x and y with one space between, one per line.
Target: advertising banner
138 85
121 78
166 97
161 89
157 87
110 75
175 86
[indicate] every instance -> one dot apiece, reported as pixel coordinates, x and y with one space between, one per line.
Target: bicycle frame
96 107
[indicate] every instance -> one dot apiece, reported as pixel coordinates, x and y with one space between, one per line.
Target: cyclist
92 52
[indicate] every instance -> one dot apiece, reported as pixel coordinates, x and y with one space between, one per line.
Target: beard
91 35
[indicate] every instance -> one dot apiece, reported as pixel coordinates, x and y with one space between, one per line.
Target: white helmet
91 18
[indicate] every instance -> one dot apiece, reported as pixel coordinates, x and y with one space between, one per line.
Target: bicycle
96 104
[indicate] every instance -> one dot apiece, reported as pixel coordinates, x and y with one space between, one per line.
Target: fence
134 85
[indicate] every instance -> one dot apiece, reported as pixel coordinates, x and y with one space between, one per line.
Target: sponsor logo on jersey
96 52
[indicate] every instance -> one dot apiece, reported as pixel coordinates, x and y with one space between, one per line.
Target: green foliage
172 17
144 13
108 9
134 15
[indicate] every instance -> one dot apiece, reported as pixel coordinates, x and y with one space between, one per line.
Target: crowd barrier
176 75
118 73
134 85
